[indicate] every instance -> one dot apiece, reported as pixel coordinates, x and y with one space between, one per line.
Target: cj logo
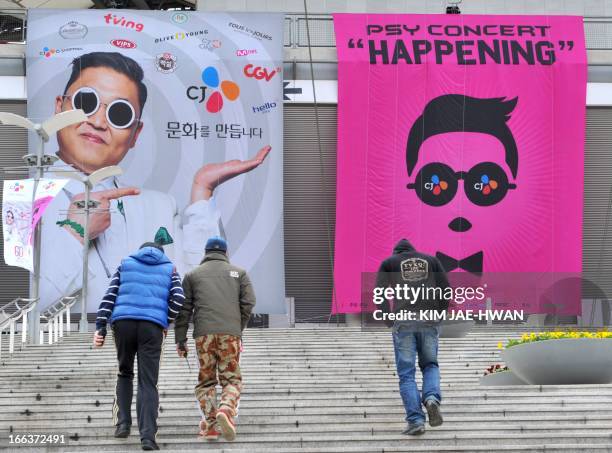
257 72
436 185
210 76
486 185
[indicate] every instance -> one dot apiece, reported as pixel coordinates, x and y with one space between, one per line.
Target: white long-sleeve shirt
143 215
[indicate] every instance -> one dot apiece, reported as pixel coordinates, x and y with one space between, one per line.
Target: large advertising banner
23 204
189 105
465 135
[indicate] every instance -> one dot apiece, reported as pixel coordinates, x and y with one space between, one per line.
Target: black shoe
414 430
148 444
122 431
433 413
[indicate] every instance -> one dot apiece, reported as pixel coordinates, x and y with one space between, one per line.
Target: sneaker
225 420
414 430
211 433
433 413
122 431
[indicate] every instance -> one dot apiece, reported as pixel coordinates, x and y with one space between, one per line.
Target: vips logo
165 63
220 89
180 17
245 52
181 36
259 73
265 108
49 52
111 19
249 31
123 44
73 30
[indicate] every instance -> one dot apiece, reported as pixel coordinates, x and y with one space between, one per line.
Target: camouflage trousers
219 356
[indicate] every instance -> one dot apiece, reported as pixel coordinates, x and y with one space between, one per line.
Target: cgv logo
259 73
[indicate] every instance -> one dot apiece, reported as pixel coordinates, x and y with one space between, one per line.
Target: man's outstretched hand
211 175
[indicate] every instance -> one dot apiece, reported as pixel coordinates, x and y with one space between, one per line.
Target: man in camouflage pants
221 298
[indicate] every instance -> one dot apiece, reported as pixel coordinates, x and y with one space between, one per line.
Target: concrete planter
455 329
501 378
566 361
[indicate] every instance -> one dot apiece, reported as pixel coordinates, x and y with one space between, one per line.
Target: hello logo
265 108
111 19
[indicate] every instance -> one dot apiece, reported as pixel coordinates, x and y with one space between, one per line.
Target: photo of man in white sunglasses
109 88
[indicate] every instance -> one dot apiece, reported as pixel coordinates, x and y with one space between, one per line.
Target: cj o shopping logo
17 187
218 89
259 72
49 52
123 43
121 21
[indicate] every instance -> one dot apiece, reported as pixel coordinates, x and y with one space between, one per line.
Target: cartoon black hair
115 61
459 113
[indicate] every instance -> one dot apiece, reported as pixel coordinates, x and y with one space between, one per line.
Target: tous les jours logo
121 21
259 73
123 44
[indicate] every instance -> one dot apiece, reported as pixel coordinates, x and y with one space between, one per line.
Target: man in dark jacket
143 298
221 298
407 267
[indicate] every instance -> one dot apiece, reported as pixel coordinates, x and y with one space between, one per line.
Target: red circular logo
123 44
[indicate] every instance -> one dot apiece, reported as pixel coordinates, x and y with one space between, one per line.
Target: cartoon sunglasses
485 184
120 114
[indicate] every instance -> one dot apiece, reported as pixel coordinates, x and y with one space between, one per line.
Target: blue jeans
408 341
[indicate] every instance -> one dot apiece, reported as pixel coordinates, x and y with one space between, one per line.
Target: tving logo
231 90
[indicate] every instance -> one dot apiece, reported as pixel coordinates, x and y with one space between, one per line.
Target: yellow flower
500 345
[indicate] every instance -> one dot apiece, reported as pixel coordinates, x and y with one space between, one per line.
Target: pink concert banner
465 135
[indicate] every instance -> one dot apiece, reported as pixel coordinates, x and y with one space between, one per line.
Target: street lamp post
39 162
90 182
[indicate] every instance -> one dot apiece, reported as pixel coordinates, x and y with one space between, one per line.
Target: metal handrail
10 320
55 320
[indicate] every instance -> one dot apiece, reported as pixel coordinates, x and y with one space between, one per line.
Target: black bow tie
472 263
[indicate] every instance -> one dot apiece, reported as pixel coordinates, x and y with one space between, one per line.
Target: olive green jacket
220 297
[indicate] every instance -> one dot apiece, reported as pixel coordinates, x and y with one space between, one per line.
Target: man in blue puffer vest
143 298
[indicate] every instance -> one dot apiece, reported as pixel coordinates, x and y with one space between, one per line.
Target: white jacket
62 254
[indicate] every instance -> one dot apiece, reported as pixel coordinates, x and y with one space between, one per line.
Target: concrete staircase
306 390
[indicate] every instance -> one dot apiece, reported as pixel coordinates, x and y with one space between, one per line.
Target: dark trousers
143 339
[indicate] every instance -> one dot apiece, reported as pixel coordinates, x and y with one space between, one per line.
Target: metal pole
35 293
83 324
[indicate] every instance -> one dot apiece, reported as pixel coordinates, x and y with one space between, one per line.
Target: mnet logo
111 19
123 44
245 52
265 108
258 72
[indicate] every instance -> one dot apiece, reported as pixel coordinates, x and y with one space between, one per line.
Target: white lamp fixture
39 162
89 182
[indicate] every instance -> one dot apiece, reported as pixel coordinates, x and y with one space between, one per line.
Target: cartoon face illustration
462 159
9 217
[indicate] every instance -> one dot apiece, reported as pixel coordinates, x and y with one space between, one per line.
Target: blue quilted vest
145 282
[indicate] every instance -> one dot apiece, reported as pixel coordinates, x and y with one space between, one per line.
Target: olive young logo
210 76
241 28
165 63
181 36
49 52
73 30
